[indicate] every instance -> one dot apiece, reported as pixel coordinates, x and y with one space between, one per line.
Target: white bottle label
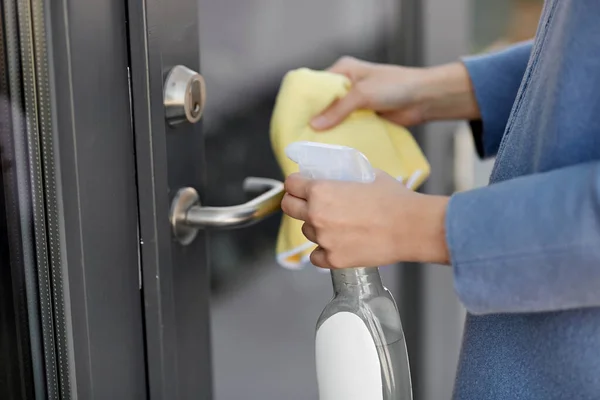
348 366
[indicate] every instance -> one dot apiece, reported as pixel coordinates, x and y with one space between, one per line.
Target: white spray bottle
360 347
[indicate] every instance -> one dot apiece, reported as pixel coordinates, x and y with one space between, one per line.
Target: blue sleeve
529 244
496 78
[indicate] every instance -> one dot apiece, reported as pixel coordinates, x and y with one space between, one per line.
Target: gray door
222 320
177 207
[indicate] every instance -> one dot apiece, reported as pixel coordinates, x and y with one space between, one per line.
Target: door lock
184 95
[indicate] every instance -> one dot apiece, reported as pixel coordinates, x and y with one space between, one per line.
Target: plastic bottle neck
356 280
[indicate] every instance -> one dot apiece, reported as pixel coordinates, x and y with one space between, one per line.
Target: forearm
464 90
529 244
447 94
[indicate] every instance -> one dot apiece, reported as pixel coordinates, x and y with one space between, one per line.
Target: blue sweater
526 249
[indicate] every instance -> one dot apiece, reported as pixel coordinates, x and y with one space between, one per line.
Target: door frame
176 289
96 231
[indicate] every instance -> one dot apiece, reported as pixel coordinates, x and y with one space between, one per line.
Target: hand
367 224
405 96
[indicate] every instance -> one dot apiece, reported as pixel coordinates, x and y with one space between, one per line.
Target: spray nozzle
331 162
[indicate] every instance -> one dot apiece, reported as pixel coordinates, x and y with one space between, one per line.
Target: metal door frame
175 277
136 322
96 226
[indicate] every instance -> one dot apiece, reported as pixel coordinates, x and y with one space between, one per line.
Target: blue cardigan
526 249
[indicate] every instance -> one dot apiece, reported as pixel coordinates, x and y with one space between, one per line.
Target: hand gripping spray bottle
360 347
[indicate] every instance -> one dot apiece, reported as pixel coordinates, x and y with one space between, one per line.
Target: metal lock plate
184 95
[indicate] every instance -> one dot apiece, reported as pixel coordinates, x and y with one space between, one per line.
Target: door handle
188 216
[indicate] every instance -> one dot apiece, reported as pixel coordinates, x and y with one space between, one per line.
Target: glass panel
15 373
25 316
246 48
263 317
16 367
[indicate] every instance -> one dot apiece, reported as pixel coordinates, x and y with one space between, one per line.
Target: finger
338 111
309 232
294 207
297 186
318 258
351 67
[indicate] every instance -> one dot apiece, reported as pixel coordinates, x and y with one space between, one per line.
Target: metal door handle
188 215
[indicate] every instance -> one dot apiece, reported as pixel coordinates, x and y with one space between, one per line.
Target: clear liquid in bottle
345 361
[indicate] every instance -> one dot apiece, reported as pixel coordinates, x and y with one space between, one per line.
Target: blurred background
263 317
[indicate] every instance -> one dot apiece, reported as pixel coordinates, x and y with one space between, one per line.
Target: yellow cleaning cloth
305 93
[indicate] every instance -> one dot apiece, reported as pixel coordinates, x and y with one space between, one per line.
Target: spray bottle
360 347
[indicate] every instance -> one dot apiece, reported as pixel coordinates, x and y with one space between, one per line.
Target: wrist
429 225
448 93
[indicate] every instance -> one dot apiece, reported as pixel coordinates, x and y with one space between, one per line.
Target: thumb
318 258
338 111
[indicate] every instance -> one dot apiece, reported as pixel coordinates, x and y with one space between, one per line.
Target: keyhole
184 96
196 98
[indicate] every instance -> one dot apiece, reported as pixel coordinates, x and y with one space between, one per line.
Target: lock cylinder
184 96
